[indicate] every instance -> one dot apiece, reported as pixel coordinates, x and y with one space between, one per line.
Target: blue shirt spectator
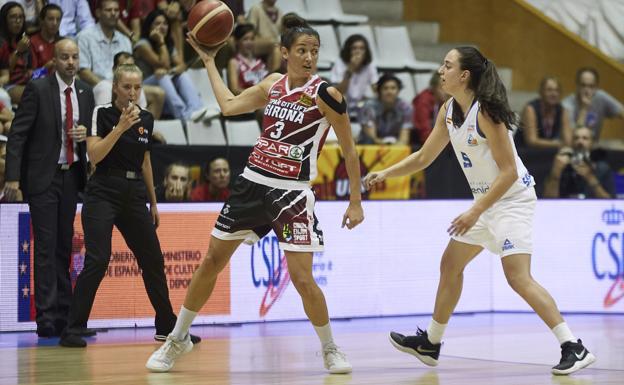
76 16
97 51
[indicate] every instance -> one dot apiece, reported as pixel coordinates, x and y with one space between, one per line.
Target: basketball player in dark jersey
273 192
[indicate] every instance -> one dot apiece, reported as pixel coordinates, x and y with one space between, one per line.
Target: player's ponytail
294 25
488 88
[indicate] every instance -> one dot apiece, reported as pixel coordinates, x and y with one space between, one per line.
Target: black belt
133 175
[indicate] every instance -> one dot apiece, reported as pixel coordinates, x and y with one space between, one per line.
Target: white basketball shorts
506 228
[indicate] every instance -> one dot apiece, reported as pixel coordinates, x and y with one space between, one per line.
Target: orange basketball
211 21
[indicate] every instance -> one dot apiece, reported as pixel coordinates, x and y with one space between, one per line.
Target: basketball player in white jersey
477 121
274 192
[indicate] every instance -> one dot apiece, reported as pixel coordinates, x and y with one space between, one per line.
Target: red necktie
69 124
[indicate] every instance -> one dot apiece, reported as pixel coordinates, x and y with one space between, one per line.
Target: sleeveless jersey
250 72
473 153
293 133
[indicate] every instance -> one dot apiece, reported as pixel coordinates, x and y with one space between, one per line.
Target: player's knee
449 267
210 266
305 285
519 282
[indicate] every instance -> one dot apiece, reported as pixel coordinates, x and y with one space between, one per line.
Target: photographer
575 175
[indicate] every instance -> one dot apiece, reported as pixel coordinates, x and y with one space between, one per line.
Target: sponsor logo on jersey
306 100
279 166
472 141
287 233
273 147
141 130
479 187
466 159
508 245
471 127
449 120
283 110
527 179
301 236
275 92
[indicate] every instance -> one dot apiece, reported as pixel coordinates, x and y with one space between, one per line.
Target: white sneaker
162 360
335 361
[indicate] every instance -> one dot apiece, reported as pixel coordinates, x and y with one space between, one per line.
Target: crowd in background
150 33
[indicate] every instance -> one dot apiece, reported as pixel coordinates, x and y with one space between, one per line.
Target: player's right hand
373 178
204 52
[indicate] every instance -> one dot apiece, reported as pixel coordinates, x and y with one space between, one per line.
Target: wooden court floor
514 349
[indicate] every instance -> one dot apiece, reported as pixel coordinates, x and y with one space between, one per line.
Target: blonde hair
123 68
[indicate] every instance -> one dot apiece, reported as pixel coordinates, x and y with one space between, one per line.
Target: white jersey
475 158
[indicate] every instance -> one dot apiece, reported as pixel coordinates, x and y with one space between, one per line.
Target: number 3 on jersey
279 126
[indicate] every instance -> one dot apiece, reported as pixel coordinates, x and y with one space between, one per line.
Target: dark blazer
35 140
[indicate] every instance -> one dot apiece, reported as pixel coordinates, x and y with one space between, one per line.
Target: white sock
183 324
563 333
324 334
435 331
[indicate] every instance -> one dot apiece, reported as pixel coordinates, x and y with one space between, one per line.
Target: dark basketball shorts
254 209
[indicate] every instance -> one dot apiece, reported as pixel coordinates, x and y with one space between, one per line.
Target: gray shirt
602 106
97 51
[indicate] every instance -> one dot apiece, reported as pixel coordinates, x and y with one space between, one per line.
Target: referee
119 143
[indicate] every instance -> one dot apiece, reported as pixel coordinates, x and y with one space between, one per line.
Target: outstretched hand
205 53
373 178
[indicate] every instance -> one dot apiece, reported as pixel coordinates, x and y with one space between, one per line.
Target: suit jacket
34 144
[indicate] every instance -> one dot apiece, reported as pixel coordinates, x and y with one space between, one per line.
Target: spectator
217 182
42 42
162 65
576 173
3 140
173 11
386 119
15 58
176 185
151 98
267 18
590 105
31 13
76 16
545 123
6 116
245 69
100 43
426 105
238 10
354 74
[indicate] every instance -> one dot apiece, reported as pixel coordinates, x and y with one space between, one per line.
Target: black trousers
52 213
112 200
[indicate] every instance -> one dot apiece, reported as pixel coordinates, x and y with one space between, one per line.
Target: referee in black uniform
119 143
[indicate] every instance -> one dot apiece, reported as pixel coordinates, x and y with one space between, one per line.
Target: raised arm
249 100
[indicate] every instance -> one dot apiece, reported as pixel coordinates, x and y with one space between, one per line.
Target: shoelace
420 332
567 353
333 349
171 346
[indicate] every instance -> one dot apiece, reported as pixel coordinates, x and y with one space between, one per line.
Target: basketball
211 22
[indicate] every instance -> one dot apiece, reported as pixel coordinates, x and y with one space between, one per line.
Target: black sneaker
418 346
574 357
162 338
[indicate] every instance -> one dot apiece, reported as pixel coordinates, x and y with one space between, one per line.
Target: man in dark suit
46 160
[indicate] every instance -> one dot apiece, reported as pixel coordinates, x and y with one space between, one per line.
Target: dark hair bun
292 20
241 30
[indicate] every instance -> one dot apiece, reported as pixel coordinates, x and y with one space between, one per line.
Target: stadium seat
421 81
330 49
241 133
172 130
395 50
331 11
201 133
199 76
296 6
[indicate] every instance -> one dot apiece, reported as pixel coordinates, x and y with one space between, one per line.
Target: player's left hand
463 223
155 215
353 216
